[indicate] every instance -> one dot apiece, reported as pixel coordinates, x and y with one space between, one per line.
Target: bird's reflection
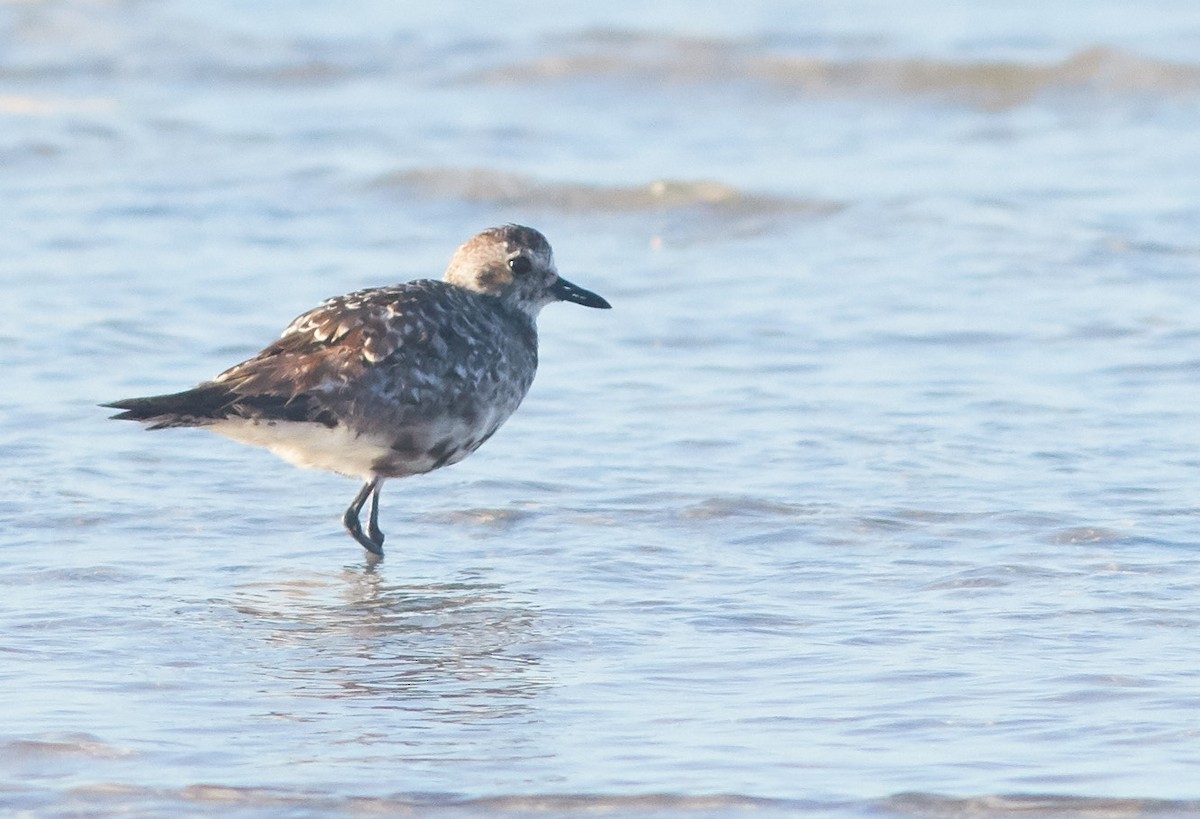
445 649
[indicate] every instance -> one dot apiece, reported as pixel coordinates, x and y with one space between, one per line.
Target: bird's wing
343 340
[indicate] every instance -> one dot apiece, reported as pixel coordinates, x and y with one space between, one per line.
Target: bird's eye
520 265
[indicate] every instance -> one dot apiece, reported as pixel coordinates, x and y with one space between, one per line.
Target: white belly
308 445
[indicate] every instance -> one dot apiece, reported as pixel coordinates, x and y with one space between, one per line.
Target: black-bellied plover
391 381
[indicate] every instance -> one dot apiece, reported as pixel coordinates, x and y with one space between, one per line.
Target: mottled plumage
391 381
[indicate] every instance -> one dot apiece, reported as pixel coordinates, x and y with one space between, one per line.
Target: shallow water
873 494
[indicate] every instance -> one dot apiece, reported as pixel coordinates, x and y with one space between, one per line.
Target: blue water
875 493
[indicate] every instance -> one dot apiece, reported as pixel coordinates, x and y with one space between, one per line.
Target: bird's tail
196 407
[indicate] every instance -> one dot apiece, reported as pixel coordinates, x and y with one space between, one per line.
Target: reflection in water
443 648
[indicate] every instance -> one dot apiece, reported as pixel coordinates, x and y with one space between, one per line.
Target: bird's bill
565 291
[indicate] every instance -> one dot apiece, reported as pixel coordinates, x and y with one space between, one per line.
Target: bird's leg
373 531
350 519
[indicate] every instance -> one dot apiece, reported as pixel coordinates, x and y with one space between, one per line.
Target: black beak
565 291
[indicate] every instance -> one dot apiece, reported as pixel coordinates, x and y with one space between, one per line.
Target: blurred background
875 491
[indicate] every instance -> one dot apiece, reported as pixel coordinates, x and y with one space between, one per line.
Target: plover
390 381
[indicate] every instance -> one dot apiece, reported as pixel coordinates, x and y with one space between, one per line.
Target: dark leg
373 524
350 519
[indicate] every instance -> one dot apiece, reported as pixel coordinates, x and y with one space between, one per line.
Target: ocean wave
645 60
268 801
46 106
61 745
509 189
1034 805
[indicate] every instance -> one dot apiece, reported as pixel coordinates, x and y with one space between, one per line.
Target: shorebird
390 381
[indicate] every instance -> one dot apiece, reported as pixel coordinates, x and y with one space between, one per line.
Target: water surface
873 494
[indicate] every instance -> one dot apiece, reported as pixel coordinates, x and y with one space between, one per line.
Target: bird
390 381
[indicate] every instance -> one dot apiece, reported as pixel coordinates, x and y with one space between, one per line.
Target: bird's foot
372 543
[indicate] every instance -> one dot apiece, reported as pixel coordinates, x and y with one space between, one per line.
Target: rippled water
875 493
